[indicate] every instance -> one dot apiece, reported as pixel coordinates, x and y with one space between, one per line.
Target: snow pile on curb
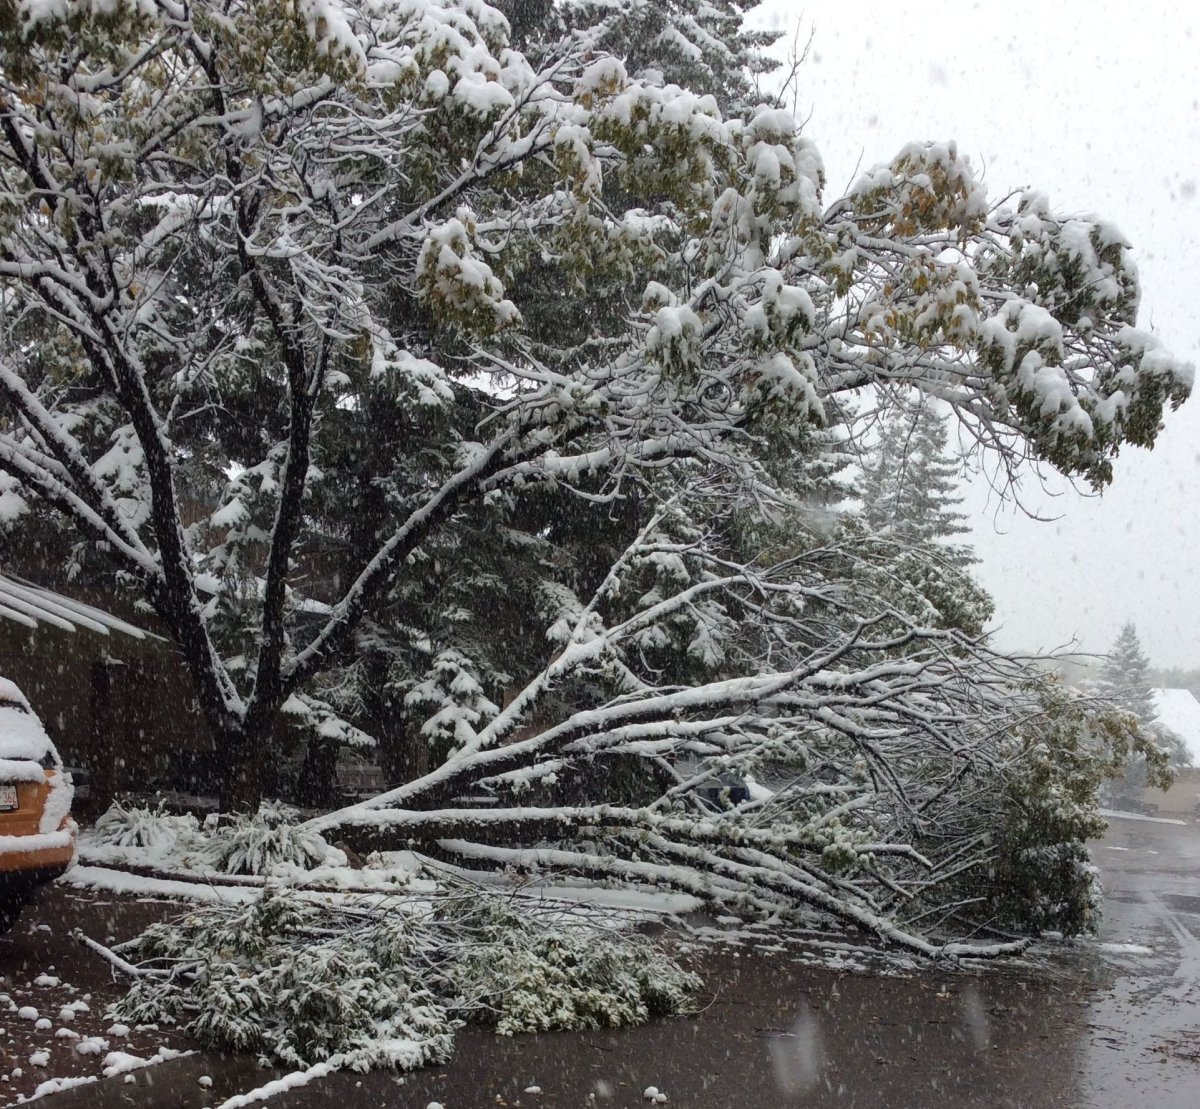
1117 814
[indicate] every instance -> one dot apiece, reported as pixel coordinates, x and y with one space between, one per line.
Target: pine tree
1126 676
909 485
1126 680
494 593
909 519
703 46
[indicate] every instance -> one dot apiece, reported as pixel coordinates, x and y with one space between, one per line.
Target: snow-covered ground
1124 949
55 1036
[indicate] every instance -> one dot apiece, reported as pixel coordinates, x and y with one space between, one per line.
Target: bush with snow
154 829
299 983
303 1002
279 978
526 977
269 841
265 841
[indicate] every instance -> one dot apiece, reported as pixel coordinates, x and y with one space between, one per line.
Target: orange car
37 834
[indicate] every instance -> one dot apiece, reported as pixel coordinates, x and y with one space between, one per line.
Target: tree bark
243 772
404 753
316 784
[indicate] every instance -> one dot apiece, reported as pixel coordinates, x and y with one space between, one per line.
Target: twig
112 957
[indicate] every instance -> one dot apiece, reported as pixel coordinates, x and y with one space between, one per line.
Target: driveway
1143 1042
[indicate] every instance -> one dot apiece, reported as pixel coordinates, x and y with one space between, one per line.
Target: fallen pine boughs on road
357 987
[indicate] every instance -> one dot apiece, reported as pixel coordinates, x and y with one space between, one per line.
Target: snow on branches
347 334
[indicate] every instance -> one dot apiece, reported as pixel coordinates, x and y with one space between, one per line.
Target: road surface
1113 1024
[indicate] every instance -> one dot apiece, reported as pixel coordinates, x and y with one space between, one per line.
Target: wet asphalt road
1142 1047
1113 1028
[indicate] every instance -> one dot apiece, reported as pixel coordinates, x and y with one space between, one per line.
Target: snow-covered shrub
123 825
298 983
527 977
270 838
306 1001
271 978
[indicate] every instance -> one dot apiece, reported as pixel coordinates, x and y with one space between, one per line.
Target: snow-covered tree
910 483
1125 679
1126 676
301 333
1041 815
704 46
909 521
1173 744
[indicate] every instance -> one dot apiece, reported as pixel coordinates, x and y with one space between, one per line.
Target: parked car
358 776
37 834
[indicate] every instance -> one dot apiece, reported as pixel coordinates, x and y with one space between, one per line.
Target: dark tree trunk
102 748
414 757
244 771
403 752
316 785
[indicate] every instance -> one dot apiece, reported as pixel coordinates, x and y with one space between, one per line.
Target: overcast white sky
1098 105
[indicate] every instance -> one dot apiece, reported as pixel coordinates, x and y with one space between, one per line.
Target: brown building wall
1180 799
119 707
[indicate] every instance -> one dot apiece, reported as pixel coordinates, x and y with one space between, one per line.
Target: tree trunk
415 757
317 781
404 753
244 771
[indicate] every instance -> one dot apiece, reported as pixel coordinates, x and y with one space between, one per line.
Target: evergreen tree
1126 676
494 595
909 485
1126 681
909 518
703 46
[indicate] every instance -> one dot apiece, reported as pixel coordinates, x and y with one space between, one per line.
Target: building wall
106 699
1180 799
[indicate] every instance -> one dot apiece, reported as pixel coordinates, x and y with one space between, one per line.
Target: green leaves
458 285
298 983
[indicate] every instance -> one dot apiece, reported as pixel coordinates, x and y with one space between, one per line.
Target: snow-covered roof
1180 711
32 606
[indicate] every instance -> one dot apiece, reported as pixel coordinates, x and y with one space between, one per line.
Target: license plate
8 798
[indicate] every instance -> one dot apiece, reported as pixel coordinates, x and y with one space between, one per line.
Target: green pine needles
298 982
